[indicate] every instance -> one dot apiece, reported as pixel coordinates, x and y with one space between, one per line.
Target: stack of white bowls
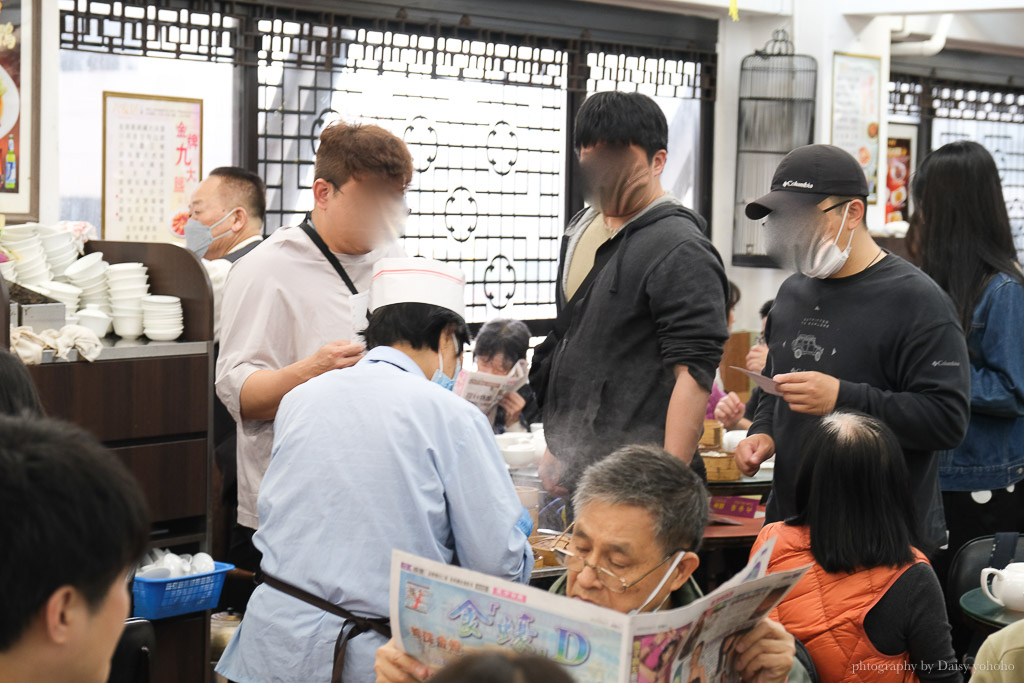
30 265
60 250
88 273
127 284
162 318
69 295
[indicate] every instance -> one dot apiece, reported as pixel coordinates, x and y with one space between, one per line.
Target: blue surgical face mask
199 237
443 379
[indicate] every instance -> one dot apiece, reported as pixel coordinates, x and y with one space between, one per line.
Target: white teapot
1007 585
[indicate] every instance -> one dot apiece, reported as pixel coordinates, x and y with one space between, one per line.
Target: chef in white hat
368 459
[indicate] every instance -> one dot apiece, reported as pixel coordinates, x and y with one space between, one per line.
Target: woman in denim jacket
960 235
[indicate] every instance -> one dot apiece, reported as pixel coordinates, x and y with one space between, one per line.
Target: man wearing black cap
855 328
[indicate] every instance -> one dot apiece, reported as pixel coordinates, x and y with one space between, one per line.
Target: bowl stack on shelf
88 273
127 284
69 295
59 248
162 317
30 265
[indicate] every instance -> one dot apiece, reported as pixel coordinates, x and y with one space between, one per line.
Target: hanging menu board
856 95
152 162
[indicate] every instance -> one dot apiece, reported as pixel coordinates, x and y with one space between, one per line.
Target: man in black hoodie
641 297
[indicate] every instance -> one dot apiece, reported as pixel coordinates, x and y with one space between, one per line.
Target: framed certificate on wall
152 162
856 103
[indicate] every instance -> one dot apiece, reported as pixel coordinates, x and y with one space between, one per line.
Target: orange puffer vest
826 611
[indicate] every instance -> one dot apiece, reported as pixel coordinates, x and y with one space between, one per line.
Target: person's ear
658 162
857 213
323 190
239 220
61 614
686 567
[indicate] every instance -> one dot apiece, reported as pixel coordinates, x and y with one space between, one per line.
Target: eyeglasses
836 206
576 563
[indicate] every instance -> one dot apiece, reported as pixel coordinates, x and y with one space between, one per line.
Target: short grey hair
648 477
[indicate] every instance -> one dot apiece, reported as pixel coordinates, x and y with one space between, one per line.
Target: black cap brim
777 200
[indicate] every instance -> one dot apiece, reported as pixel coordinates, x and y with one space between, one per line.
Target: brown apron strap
360 625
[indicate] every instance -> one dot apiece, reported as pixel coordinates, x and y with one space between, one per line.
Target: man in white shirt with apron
292 307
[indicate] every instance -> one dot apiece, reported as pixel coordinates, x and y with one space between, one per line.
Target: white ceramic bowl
518 454
86 267
163 335
127 327
137 291
19 231
63 289
161 300
96 320
88 281
126 280
127 267
56 242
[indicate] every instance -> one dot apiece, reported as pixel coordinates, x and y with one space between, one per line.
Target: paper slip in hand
767 384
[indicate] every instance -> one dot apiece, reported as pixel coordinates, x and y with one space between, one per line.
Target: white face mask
661 584
787 242
827 259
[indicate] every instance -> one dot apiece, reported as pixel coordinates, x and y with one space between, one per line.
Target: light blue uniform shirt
365 460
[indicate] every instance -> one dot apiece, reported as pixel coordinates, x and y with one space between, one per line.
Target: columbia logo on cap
797 183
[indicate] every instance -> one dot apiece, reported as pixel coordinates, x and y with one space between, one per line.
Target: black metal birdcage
776 115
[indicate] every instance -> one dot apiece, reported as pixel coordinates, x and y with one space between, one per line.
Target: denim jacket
992 454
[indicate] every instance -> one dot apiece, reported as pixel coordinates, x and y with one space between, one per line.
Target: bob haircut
852 492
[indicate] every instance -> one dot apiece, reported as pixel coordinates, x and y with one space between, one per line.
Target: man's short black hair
418 325
505 336
766 308
621 118
17 391
70 515
251 189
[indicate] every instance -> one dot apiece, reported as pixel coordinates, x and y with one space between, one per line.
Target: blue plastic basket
162 598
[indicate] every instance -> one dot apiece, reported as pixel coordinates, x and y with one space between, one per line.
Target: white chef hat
417 280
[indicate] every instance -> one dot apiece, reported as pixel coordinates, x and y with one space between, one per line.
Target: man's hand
753 451
550 471
263 390
765 653
730 410
813 393
394 666
333 356
757 357
513 404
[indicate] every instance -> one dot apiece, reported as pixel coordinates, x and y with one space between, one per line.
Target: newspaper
440 612
485 391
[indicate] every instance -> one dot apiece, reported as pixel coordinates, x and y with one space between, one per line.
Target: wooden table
986 616
740 535
757 485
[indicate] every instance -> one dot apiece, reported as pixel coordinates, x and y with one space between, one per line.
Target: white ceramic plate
12 105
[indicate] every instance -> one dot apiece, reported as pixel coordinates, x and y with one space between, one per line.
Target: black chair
965 574
804 657
134 653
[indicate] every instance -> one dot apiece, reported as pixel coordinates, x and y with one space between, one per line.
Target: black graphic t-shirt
891 336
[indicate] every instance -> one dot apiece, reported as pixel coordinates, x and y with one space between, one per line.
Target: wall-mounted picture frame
856 112
20 55
152 163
